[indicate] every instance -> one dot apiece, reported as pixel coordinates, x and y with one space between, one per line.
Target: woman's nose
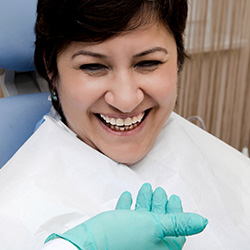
124 94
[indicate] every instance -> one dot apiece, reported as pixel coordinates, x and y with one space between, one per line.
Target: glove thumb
181 224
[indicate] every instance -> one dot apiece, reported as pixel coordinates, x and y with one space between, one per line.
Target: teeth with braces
127 122
125 128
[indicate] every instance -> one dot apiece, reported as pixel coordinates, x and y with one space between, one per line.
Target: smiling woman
112 69
132 78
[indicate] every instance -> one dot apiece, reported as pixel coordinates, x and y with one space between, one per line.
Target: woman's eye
93 68
148 65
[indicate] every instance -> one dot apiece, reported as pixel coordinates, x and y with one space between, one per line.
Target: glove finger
174 205
125 201
181 224
159 201
144 198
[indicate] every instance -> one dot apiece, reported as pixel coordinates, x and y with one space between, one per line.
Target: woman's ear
49 74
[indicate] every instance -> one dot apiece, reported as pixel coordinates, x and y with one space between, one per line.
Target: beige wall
1 93
1 76
215 83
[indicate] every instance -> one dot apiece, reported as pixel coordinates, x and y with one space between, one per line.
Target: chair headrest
17 20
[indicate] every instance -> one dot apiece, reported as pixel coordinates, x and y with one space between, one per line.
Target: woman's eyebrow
88 53
153 50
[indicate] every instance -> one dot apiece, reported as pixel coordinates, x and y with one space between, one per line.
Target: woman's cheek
165 87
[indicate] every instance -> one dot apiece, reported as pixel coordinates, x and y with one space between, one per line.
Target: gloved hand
156 202
147 227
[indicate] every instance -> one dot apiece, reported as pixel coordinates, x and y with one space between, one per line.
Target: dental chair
19 114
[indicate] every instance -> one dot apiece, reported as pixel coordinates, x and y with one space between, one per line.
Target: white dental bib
55 181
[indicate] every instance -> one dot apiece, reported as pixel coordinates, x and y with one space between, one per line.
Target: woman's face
116 95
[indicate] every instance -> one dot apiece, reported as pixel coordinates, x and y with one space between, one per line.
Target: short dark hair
60 22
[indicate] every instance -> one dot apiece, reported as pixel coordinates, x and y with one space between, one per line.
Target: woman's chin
128 158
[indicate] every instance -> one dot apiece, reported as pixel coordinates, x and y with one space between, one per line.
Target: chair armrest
19 115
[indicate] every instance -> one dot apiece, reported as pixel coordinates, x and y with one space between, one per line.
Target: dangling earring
53 91
54 96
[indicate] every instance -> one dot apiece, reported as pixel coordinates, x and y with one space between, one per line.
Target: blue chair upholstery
17 20
18 114
18 118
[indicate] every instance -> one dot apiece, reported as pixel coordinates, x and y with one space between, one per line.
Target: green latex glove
154 224
156 202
